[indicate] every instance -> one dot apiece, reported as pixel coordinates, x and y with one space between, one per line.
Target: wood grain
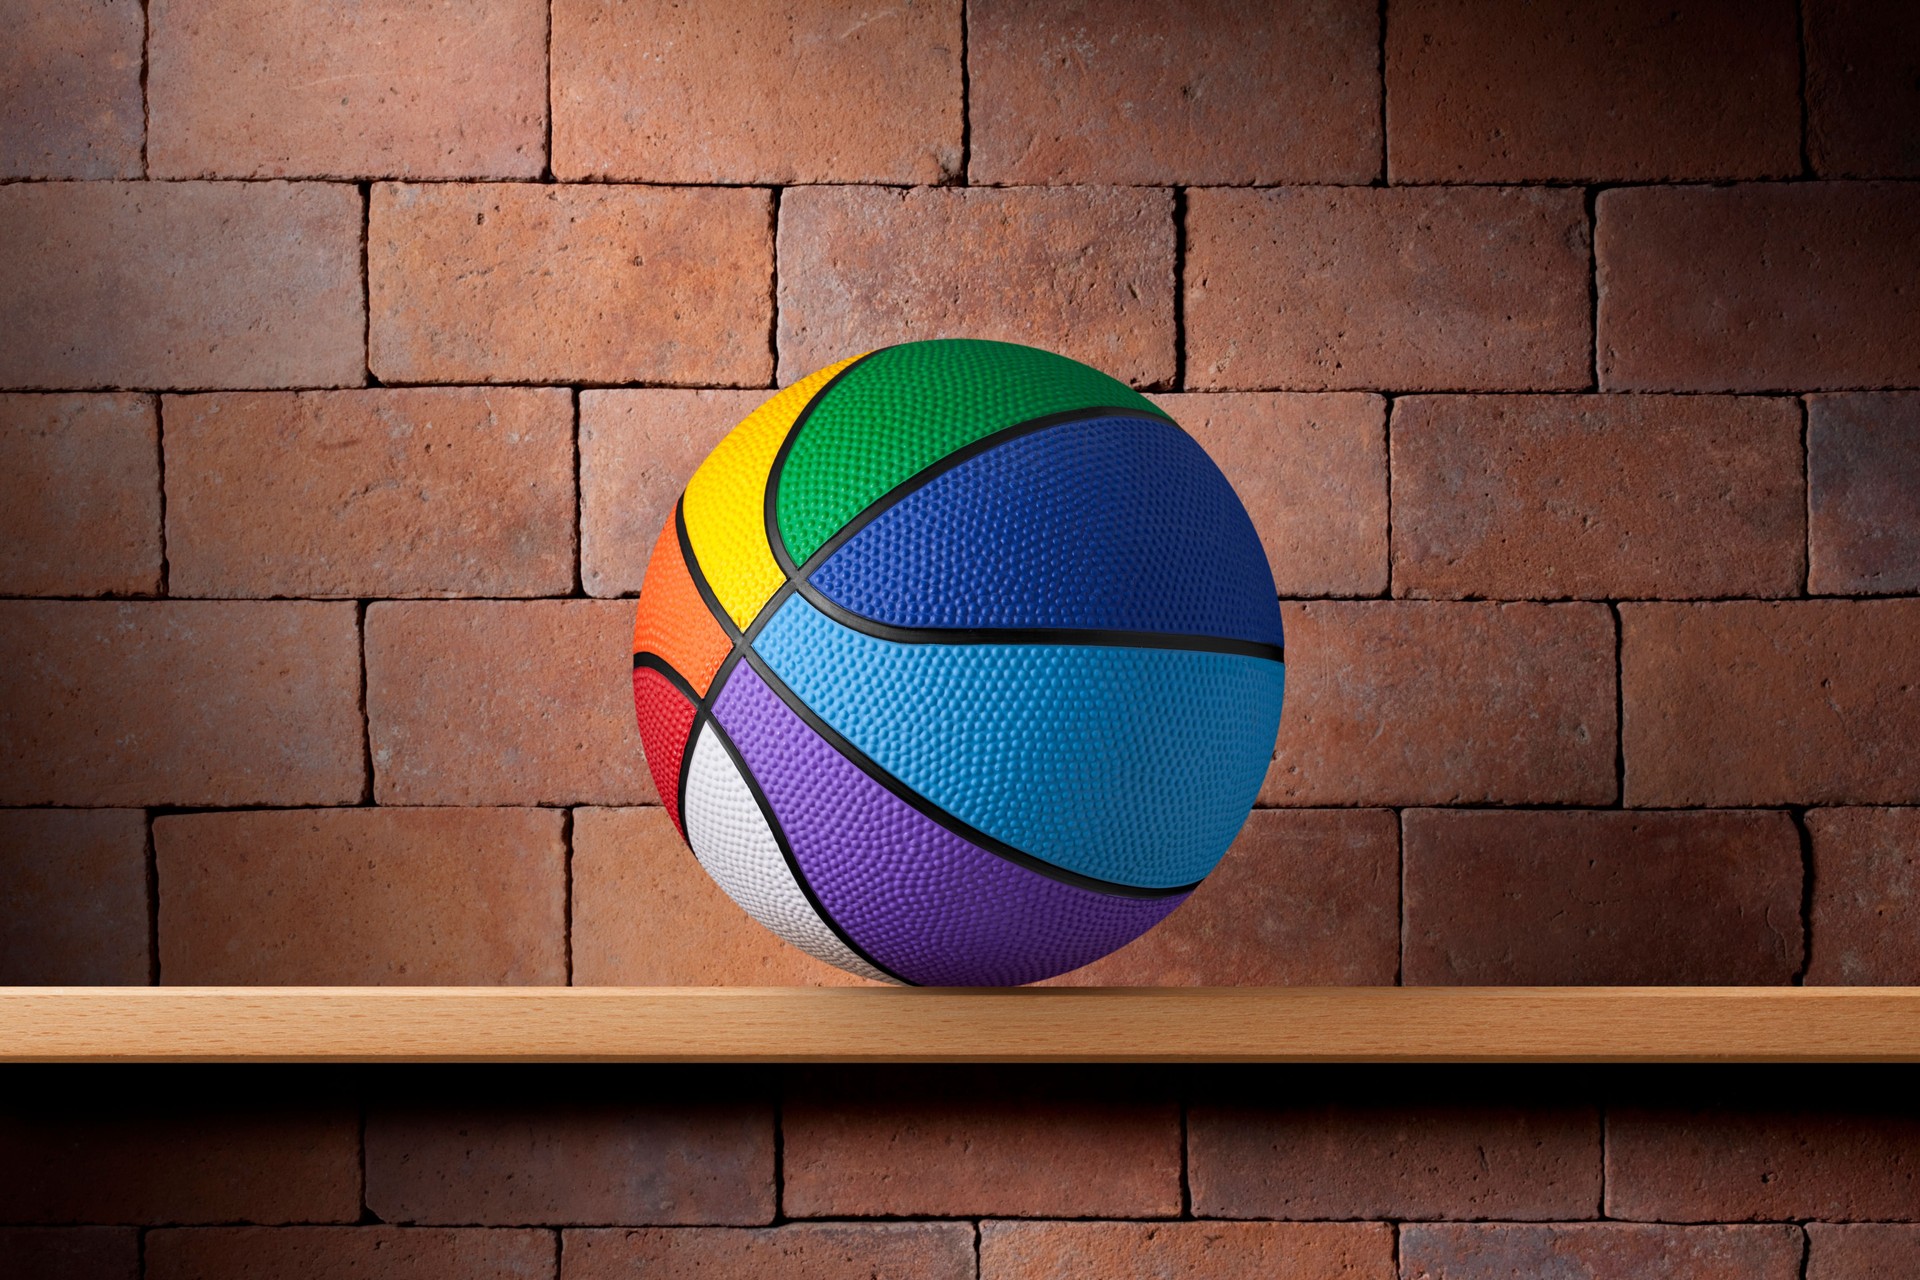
1110 1024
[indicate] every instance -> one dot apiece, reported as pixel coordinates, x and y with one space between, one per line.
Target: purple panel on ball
928 905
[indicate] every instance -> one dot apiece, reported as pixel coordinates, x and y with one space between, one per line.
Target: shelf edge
814 1024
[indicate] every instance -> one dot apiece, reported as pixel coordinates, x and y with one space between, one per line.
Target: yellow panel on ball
725 503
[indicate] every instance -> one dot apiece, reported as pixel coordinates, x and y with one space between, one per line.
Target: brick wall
958 1173
1567 355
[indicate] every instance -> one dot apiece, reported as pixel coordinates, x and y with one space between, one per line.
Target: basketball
959 663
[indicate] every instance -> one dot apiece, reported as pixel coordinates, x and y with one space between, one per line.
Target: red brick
1087 272
774 93
1728 1165
1863 494
676 1159
1304 897
73 896
1555 496
371 493
1312 471
349 1253
504 702
967 1142
1410 703
357 897
1608 897
72 77
646 915
638 449
1810 702
129 1155
379 88
797 1251
1596 1251
524 282
1751 288
81 508
1867 1252
1624 90
180 284
1112 91
199 702
1278 1250
1863 88
1866 879
71 1253
1415 1161
1405 289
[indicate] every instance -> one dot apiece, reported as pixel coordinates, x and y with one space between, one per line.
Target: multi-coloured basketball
959 663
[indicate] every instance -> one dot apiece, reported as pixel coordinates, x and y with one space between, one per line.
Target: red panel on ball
666 717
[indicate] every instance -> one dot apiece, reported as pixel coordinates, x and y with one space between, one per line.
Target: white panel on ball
730 837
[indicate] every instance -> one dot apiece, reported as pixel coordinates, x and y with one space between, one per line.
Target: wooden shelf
804 1024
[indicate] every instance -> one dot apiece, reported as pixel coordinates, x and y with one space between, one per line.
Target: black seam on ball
1089 637
648 661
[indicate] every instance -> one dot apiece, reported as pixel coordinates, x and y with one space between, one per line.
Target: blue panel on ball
1131 765
1119 523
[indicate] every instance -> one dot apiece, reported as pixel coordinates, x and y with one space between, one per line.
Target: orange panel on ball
673 621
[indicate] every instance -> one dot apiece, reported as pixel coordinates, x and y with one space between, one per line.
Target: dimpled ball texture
958 664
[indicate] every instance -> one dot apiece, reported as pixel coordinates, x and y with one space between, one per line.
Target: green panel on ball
902 409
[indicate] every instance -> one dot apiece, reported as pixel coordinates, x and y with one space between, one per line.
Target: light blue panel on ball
1131 765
